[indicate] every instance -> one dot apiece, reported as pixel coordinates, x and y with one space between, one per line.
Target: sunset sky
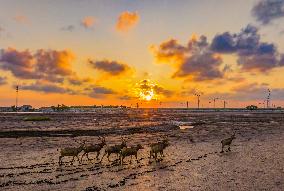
158 53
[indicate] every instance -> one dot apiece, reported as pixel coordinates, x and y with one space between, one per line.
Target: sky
159 53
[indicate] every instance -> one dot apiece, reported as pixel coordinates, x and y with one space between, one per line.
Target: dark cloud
68 28
245 42
74 80
267 10
98 91
126 97
46 88
200 60
110 67
169 52
223 43
281 63
91 91
147 87
162 91
253 55
50 65
194 60
3 80
102 90
20 63
262 62
202 66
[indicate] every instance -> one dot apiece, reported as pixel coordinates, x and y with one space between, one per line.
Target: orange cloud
21 19
194 37
194 61
50 65
170 52
126 21
88 21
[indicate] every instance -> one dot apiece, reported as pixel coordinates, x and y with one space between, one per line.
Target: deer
227 142
130 151
158 147
114 149
71 151
96 148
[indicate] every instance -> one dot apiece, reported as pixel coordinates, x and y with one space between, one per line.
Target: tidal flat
29 150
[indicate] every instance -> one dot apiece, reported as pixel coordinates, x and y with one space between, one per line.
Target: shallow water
183 127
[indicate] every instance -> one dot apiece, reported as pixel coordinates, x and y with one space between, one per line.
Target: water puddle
183 127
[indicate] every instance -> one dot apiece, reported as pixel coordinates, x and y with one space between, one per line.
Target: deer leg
88 157
78 159
73 160
108 157
222 149
229 148
137 158
121 160
155 156
97 157
162 153
83 156
59 161
103 156
130 159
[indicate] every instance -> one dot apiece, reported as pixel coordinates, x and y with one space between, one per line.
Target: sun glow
147 95
148 90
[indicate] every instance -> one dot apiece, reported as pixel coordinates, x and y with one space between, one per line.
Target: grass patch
36 118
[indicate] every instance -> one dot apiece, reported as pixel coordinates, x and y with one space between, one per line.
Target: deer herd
122 150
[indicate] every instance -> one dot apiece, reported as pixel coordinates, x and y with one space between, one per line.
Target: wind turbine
198 98
214 100
225 103
268 98
17 91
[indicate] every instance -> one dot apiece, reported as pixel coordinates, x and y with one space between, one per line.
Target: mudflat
29 150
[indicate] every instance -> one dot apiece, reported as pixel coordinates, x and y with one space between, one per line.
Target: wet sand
29 157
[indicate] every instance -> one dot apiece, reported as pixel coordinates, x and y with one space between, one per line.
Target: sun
146 90
147 95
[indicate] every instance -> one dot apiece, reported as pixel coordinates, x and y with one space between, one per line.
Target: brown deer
227 142
71 151
96 148
158 147
130 151
114 149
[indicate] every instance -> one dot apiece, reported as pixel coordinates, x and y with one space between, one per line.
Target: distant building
26 108
6 109
45 109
